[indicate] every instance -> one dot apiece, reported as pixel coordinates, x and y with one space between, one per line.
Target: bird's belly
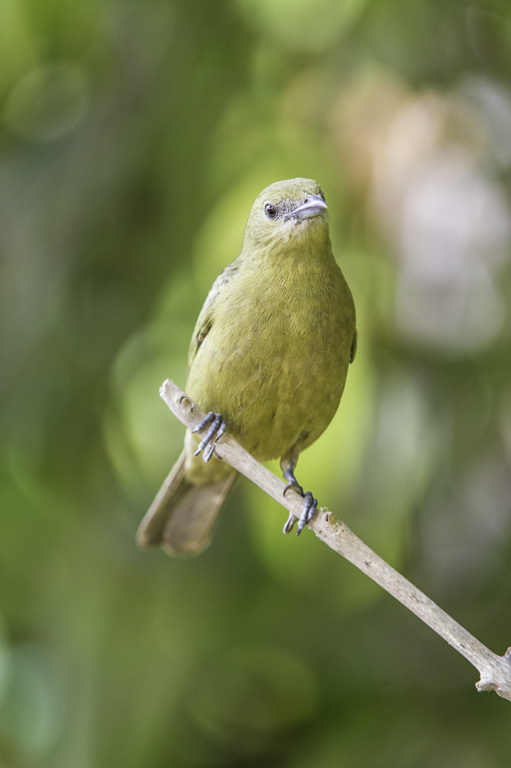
291 405
274 391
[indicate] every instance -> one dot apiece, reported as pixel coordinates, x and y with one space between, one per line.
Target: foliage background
134 137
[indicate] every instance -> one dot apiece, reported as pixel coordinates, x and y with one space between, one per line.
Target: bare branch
495 671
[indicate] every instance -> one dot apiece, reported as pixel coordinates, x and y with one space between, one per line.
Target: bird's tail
182 515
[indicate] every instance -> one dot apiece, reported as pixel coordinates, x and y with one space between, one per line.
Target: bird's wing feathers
205 319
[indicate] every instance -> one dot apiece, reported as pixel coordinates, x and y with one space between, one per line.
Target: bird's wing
206 316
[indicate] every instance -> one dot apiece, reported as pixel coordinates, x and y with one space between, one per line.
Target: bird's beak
313 205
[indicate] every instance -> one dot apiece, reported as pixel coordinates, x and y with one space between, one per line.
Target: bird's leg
310 504
217 429
289 475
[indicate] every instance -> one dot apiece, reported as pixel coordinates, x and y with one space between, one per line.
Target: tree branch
495 671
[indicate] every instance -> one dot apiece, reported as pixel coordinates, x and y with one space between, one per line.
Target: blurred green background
134 138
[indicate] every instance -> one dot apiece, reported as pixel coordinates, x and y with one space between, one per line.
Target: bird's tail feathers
182 515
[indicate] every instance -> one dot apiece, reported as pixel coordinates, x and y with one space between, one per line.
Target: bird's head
288 212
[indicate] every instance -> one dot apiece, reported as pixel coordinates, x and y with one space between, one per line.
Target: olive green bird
268 361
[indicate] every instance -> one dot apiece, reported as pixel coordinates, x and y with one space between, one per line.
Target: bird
268 362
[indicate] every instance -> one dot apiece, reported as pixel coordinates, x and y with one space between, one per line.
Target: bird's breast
275 360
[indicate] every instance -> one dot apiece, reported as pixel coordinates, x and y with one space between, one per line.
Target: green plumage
272 344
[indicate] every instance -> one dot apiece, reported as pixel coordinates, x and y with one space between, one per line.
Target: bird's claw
293 484
290 523
310 505
216 430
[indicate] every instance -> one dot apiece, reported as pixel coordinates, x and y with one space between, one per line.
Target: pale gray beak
313 205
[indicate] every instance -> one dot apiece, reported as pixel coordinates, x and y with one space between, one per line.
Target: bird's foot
293 484
310 505
216 430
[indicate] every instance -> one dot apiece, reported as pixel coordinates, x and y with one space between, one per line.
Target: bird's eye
270 210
